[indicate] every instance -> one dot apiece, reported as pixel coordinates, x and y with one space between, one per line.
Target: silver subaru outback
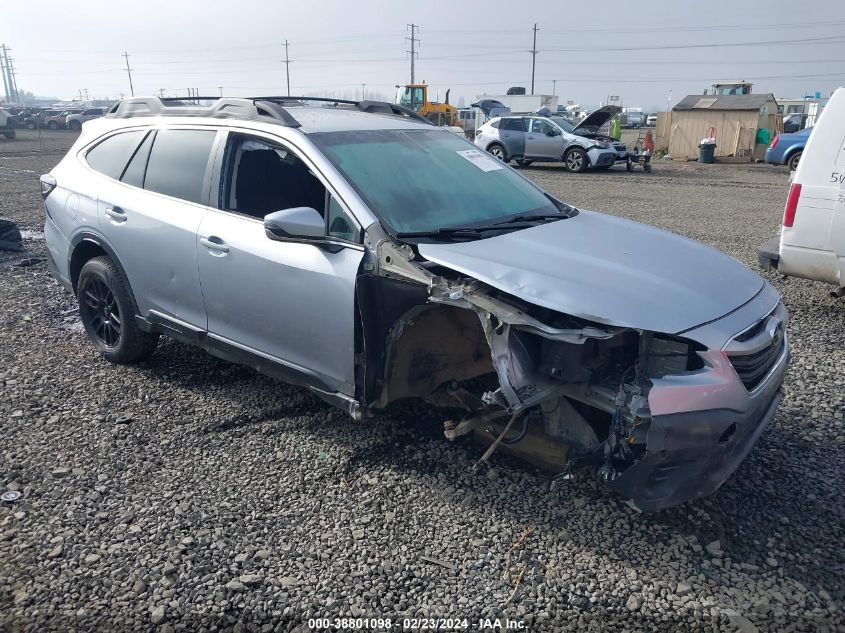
371 257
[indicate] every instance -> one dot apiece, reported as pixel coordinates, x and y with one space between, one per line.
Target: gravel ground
227 500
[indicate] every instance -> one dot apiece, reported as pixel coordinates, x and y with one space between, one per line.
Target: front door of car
150 215
292 303
543 140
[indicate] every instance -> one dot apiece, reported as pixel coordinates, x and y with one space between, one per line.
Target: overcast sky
637 50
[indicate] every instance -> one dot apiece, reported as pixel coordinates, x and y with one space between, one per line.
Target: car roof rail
219 107
274 107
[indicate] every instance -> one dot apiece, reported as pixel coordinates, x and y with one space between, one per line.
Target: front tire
53 125
75 126
794 160
498 151
108 313
575 160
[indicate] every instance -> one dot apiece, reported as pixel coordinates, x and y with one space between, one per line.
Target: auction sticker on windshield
481 160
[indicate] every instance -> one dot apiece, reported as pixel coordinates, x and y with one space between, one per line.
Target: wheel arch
791 152
500 144
85 246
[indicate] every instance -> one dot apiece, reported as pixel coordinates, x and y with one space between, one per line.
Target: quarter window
110 156
339 223
134 173
178 163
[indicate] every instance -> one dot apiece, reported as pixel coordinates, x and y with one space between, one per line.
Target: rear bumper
773 157
768 254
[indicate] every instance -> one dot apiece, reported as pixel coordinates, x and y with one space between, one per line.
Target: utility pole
129 72
160 93
287 65
3 71
14 78
7 77
554 85
363 92
221 90
533 57
85 90
414 41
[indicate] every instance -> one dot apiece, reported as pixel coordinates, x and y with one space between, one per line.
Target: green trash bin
706 153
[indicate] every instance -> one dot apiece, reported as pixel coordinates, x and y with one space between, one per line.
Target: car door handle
214 243
116 213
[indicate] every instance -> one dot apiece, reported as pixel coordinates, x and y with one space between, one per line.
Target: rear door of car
292 303
543 140
512 134
150 213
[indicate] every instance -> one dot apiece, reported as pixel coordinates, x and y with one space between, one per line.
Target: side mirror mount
299 224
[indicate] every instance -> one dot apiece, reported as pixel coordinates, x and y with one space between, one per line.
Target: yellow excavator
415 97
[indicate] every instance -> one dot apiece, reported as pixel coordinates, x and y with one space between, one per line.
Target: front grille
753 368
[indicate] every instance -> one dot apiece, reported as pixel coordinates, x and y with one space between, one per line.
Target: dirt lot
229 498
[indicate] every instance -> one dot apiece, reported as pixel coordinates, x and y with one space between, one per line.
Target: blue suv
786 149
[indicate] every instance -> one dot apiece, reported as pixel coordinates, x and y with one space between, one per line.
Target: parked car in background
268 234
795 121
530 138
36 118
58 121
787 149
812 236
75 121
7 124
651 120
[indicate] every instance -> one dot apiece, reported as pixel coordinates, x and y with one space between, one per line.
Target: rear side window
178 162
512 125
110 156
495 124
137 167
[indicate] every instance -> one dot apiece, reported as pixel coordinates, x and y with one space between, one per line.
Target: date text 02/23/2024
416 624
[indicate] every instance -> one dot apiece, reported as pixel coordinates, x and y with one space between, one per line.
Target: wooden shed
735 120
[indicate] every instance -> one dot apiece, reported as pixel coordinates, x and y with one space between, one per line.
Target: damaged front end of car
664 418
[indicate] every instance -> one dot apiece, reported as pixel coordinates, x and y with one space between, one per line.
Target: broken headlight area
570 392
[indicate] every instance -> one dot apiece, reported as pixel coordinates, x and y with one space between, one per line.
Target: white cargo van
812 238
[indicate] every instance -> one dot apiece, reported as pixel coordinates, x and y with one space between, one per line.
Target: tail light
791 204
775 141
48 183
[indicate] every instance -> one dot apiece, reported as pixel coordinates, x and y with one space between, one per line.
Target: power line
413 53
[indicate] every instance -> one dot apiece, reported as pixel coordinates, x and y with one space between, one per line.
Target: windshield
425 180
565 124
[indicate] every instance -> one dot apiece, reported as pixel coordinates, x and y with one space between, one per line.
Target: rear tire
575 160
30 126
75 126
108 313
498 151
794 160
53 125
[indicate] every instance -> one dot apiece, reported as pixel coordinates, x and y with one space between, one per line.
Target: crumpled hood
608 270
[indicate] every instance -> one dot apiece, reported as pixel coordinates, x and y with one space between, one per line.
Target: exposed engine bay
558 391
